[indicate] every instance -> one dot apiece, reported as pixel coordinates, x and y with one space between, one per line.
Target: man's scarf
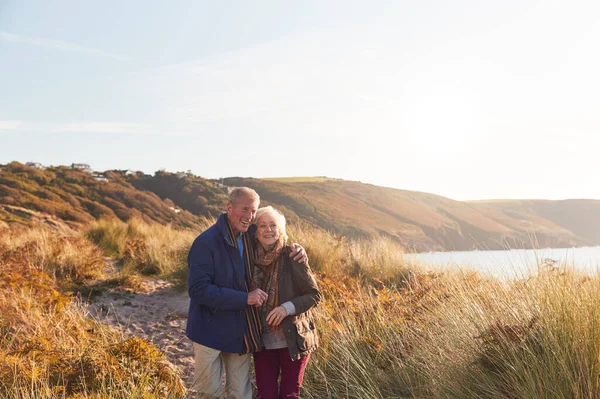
267 264
253 325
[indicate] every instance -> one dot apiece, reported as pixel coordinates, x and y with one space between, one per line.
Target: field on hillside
386 331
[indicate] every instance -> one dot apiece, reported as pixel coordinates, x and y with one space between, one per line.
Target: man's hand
298 253
276 315
257 297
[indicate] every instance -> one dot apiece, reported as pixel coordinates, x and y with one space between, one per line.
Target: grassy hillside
581 217
75 196
195 194
425 221
418 221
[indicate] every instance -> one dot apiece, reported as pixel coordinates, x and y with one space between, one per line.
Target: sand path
157 312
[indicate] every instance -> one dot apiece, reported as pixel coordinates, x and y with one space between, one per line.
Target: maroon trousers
269 364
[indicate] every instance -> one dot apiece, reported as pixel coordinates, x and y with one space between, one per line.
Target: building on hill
100 178
129 172
82 166
36 165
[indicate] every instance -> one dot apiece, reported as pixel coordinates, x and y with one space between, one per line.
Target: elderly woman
288 327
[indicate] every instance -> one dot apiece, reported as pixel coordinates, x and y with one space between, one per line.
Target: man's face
241 213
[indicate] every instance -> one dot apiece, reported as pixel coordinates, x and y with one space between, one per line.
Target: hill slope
78 197
423 221
419 221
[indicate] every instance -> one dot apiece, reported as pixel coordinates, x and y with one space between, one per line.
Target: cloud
81 128
9 125
101 127
58 45
310 81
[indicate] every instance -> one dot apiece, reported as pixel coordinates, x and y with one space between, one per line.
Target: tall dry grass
49 347
150 249
387 331
453 335
63 256
375 258
393 332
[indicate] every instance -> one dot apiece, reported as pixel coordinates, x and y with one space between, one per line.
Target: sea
513 263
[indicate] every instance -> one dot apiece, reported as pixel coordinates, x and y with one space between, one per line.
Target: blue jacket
216 285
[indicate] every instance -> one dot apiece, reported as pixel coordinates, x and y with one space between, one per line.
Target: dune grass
370 259
62 256
49 346
452 335
387 330
149 249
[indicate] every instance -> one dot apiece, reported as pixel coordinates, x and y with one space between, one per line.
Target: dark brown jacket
297 284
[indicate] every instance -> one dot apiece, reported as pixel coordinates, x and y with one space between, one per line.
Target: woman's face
267 231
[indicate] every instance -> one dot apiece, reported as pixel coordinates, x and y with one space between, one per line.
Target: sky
465 99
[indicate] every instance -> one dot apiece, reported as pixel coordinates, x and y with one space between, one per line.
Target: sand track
158 314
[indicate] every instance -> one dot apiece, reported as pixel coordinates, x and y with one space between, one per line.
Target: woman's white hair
279 220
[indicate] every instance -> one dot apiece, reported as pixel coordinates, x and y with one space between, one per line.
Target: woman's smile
267 231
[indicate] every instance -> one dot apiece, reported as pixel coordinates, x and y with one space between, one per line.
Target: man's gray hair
238 192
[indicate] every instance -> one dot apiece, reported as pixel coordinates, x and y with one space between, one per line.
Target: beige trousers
208 377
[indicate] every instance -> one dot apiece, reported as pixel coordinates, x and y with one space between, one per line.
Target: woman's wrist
289 307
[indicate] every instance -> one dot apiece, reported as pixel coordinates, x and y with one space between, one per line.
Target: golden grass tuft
372 258
60 256
151 249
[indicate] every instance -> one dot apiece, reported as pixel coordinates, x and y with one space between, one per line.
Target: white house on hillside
100 178
82 166
36 165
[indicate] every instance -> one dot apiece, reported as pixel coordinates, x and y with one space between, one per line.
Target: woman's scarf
267 265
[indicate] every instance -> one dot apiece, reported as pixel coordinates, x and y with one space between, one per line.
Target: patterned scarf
267 265
253 331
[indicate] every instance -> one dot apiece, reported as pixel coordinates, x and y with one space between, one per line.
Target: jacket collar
223 229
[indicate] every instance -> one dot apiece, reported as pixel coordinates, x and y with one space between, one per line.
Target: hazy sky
466 99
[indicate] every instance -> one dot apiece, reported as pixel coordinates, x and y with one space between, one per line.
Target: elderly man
223 319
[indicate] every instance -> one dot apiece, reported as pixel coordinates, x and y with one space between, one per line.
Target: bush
62 257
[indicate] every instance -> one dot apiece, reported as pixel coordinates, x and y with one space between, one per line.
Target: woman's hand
276 315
